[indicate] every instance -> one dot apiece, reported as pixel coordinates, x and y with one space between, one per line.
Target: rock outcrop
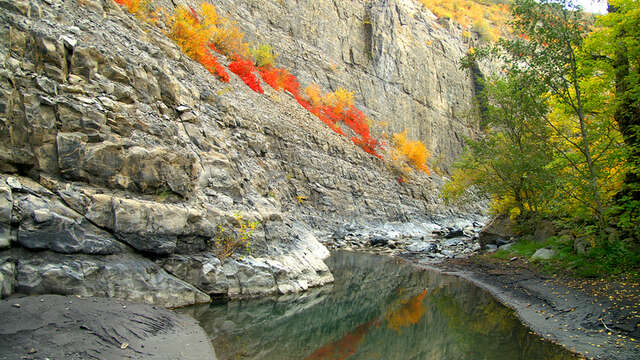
122 159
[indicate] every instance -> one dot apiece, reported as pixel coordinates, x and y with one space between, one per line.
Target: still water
378 308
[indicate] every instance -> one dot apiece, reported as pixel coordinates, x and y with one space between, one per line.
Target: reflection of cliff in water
378 308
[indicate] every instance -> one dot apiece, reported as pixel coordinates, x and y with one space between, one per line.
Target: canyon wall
399 59
122 160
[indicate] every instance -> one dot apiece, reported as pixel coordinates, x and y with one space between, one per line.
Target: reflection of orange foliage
343 348
408 314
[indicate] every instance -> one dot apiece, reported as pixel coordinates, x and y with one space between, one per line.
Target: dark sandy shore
68 327
598 318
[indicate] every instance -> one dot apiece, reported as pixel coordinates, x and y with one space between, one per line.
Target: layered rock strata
402 62
123 160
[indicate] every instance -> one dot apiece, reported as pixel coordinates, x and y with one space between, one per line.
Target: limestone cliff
401 61
121 158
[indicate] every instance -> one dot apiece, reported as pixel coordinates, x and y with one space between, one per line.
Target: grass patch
522 248
606 259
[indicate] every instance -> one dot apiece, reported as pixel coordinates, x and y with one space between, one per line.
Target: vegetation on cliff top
486 17
563 134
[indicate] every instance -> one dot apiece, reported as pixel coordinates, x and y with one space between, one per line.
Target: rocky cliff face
121 158
402 63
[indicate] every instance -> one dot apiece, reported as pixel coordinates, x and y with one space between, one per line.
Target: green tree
615 49
547 52
508 161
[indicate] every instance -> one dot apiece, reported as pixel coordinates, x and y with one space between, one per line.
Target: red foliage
211 63
246 71
280 79
292 85
274 77
213 47
353 118
357 121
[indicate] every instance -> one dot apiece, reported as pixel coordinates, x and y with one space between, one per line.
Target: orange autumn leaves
410 152
203 35
196 36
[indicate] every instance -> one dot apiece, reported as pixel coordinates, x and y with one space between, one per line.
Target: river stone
203 271
453 233
453 242
256 277
543 254
582 245
448 253
499 228
378 241
48 230
126 276
422 247
506 246
149 226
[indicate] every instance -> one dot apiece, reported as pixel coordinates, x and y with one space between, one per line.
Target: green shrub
228 242
264 55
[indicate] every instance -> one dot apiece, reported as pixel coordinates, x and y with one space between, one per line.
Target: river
378 308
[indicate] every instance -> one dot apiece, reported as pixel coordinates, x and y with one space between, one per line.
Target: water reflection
378 308
408 314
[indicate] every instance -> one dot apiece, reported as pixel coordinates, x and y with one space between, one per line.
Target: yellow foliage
468 12
229 39
461 179
514 213
339 99
229 242
191 35
413 152
194 34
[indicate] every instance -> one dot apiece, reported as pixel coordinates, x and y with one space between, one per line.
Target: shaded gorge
378 308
